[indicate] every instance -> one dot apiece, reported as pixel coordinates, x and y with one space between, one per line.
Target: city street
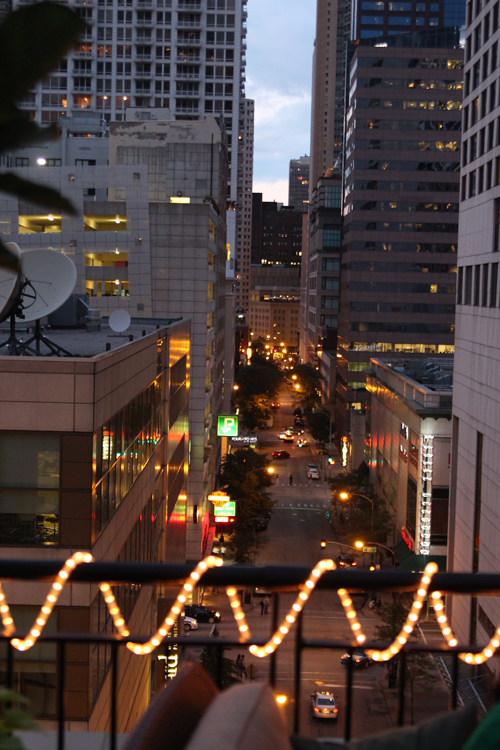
297 525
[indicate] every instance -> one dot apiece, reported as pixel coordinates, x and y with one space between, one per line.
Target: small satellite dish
10 283
119 321
51 275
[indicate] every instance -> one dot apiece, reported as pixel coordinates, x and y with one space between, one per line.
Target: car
190 623
360 659
312 473
281 454
299 422
292 431
312 466
324 706
201 614
282 435
288 438
275 405
301 443
345 561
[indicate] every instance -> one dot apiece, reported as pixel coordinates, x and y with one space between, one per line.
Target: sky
279 69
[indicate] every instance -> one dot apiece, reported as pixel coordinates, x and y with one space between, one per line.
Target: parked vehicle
190 623
324 706
312 473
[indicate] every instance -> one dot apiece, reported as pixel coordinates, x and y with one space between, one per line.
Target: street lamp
360 545
349 495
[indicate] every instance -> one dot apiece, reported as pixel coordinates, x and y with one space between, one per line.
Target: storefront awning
417 563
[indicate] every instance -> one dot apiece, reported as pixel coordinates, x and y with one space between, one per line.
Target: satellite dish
119 321
10 283
50 276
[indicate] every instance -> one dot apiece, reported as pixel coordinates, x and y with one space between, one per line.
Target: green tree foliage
210 661
419 671
318 424
32 42
12 718
255 410
260 377
360 509
245 479
309 381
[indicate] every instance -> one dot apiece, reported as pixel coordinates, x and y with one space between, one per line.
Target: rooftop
80 342
425 384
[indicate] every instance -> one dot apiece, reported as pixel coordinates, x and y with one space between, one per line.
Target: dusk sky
279 64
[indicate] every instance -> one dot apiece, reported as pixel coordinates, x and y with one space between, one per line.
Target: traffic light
323 544
331 460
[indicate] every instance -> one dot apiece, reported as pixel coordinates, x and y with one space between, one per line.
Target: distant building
298 184
409 437
320 291
244 207
275 307
94 454
276 234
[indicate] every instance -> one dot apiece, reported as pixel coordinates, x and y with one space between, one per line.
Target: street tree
318 424
223 672
260 377
255 410
245 478
419 671
308 393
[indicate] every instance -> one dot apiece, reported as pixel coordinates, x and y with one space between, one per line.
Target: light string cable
23 644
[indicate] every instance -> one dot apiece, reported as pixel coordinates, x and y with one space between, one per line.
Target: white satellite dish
51 276
119 321
10 283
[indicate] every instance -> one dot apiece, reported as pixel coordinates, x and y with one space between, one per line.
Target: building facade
400 208
150 237
409 419
276 234
274 307
298 183
244 205
320 292
474 526
104 443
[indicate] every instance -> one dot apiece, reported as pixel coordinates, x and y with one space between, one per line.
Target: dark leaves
39 194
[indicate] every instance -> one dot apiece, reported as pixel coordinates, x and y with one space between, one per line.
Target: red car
281 454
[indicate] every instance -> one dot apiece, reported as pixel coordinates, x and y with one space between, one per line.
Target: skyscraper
475 476
244 204
298 183
402 161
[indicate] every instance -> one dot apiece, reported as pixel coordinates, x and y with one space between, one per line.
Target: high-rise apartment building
402 161
298 183
475 475
187 56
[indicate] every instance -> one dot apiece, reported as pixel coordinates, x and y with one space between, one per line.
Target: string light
78 558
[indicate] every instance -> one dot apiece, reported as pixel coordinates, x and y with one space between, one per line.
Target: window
327 282
484 301
330 264
331 236
22 161
477 285
329 303
494 285
329 321
29 489
496 237
460 285
468 286
333 195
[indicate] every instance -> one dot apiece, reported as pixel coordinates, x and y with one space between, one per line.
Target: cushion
244 717
487 735
174 712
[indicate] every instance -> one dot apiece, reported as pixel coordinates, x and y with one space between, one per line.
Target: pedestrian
266 605
262 605
277 478
378 604
291 478
242 666
238 665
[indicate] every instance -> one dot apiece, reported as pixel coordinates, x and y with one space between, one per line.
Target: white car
190 623
312 472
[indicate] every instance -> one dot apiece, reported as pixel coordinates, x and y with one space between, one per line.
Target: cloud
279 73
272 191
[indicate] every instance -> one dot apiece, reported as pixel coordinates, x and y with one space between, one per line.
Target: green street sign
370 549
228 509
227 426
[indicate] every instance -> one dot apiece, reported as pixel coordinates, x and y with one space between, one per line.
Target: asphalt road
297 525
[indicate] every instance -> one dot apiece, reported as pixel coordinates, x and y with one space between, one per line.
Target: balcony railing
273 579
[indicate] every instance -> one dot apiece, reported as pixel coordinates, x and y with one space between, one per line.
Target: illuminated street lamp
297 387
350 495
236 387
294 377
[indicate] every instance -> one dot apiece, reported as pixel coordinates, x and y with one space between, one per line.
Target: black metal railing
278 579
